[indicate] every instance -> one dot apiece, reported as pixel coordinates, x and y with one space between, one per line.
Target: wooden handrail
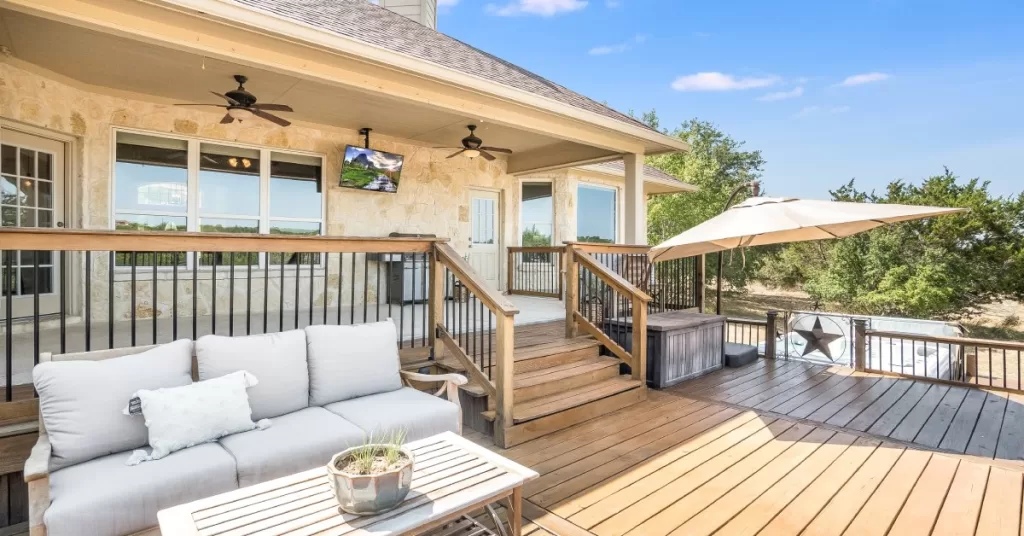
493 299
535 249
597 247
163 241
961 341
613 279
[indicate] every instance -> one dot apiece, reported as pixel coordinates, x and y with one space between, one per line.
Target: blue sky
828 90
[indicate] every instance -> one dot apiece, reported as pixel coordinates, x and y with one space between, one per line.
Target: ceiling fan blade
487 156
273 107
456 153
497 150
270 117
197 104
231 101
226 119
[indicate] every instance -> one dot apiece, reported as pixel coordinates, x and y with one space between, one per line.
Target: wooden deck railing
959 360
608 307
476 325
536 271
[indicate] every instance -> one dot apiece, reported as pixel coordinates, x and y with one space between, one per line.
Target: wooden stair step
565 351
559 378
568 399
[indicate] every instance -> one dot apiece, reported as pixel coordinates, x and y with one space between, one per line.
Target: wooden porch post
505 356
639 368
769 334
510 272
437 298
572 298
860 328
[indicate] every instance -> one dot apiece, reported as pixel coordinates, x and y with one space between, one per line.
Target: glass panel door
31 188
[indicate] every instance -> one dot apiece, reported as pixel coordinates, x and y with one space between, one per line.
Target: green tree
716 164
935 268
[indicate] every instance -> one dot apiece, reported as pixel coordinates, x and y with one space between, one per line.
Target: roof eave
269 23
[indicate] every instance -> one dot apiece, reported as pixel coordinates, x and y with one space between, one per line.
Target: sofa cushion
81 401
419 414
350 361
106 497
277 359
296 442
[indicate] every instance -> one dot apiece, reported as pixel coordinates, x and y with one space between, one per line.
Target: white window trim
192 209
618 208
554 210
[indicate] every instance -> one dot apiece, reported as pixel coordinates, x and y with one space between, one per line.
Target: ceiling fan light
471 153
240 113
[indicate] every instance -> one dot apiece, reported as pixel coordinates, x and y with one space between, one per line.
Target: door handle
60 224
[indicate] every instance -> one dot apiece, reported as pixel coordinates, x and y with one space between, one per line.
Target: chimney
421 11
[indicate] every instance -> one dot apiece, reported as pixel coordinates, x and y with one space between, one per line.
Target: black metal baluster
471 332
156 312
366 285
327 273
387 284
195 295
295 306
63 293
412 308
1004 367
10 283
88 301
490 343
133 298
248 292
425 301
352 297
35 307
174 297
377 274
341 278
213 295
311 287
231 295
110 301
401 303
280 305
480 330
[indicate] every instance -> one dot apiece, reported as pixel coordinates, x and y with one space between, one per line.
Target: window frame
522 215
615 204
192 212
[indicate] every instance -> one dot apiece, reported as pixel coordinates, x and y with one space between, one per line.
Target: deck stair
557 383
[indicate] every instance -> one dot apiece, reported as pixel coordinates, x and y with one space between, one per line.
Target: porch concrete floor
682 465
411 317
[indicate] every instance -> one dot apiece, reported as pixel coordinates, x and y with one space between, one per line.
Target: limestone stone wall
433 198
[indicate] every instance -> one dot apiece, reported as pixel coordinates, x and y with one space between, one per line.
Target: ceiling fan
472 147
242 105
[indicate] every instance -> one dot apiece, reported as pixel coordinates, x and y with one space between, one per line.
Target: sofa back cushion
350 361
277 359
81 401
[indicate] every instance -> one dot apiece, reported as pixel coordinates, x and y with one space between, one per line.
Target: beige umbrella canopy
760 221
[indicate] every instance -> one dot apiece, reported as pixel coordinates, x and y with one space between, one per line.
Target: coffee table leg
515 520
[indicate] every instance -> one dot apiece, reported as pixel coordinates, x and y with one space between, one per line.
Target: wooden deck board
688 464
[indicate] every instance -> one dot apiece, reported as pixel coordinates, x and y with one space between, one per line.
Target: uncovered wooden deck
958 419
679 464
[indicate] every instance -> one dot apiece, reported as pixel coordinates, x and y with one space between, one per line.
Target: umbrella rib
822 229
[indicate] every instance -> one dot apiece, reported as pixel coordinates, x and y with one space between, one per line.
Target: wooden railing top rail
162 241
613 279
964 341
493 299
593 247
536 249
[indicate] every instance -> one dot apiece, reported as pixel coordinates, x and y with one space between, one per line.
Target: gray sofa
324 389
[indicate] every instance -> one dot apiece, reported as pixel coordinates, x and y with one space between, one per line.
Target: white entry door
31 195
484 251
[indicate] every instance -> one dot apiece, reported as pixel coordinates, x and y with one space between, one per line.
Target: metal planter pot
370 494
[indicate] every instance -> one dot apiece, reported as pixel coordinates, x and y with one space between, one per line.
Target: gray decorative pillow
277 359
350 361
81 401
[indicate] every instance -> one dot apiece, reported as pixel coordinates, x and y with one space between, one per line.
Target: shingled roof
374 25
618 167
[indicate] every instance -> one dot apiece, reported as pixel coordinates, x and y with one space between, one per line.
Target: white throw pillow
181 417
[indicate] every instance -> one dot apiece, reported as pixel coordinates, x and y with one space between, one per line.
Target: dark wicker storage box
680 345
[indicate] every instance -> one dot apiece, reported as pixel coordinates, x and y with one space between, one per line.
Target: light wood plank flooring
682 465
956 419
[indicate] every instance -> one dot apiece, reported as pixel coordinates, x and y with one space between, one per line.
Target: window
538 215
165 184
596 214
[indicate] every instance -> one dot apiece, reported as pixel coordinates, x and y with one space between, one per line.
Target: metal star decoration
818 339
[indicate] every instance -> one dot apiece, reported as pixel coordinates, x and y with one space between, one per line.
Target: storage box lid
672 320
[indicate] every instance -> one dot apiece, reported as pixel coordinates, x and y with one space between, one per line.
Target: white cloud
807 111
782 95
865 78
544 8
715 81
618 48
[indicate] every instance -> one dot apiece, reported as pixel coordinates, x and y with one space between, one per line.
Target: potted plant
372 478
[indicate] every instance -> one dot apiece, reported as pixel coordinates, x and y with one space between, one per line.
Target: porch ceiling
162 74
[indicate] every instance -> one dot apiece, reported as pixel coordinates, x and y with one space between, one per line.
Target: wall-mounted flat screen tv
366 169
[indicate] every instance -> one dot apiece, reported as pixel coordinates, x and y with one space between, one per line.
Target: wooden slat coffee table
451 478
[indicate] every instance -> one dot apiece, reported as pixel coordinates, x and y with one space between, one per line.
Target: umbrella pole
755 187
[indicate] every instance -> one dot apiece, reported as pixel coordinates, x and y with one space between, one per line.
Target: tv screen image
366 169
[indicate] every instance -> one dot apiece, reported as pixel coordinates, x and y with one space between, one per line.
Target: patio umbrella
760 221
